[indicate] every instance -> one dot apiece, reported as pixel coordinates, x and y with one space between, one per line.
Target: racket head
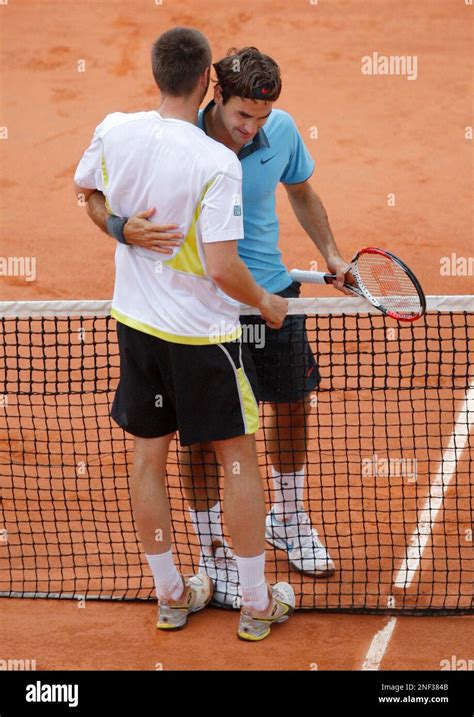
388 283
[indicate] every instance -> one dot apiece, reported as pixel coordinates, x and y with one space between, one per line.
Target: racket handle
311 277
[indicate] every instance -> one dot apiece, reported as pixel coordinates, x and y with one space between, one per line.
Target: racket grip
310 277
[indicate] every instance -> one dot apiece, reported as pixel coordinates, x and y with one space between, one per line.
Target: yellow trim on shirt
105 179
187 259
175 338
105 176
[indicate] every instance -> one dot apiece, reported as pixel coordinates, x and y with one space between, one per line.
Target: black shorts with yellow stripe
206 393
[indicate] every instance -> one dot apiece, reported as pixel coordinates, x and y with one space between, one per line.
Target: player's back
142 160
161 163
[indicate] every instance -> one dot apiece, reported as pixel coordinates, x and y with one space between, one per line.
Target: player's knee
240 448
151 451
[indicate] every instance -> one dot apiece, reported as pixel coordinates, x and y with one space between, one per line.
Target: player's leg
290 383
151 511
244 507
244 500
143 365
200 474
286 435
210 383
178 597
288 377
217 400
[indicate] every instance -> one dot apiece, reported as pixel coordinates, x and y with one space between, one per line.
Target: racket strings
388 284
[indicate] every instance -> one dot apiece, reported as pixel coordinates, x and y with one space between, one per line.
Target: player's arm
82 193
136 230
231 275
95 205
312 216
307 205
88 175
94 201
97 210
89 186
221 226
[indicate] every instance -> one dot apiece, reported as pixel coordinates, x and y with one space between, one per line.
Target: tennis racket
381 278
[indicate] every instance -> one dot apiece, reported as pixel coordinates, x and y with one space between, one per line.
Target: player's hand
340 268
273 309
139 231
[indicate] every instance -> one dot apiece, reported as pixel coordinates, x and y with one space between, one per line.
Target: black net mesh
388 466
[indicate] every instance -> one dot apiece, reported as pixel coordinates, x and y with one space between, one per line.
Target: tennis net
388 460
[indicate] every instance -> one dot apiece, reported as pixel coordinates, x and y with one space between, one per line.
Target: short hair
178 58
247 73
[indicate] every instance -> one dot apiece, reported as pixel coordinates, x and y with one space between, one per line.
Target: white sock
168 581
253 583
208 527
289 489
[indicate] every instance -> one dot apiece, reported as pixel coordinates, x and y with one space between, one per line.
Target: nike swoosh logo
264 161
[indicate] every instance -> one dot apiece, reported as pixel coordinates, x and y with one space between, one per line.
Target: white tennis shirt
142 160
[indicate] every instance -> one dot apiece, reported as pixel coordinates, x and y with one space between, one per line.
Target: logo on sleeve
237 210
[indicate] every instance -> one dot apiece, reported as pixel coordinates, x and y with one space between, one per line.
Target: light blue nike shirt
276 154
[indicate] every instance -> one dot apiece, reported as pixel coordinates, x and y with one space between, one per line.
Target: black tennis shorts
283 358
207 393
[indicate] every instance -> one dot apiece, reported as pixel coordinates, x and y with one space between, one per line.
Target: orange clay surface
376 136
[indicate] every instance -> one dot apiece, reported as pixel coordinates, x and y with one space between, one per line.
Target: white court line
433 503
379 645
427 519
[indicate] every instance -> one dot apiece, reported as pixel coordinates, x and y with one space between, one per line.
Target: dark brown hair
178 58
248 73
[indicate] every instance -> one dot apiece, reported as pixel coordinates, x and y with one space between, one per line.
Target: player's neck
185 109
216 130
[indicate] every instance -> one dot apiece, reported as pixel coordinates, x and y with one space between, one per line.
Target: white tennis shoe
301 542
173 614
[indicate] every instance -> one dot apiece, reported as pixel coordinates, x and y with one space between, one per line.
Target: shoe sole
252 638
164 627
314 573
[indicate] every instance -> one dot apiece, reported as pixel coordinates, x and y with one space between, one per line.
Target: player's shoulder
218 157
280 121
119 119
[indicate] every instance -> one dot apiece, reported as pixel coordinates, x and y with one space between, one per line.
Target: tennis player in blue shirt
271 150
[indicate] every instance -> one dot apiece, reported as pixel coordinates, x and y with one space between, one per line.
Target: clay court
392 168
